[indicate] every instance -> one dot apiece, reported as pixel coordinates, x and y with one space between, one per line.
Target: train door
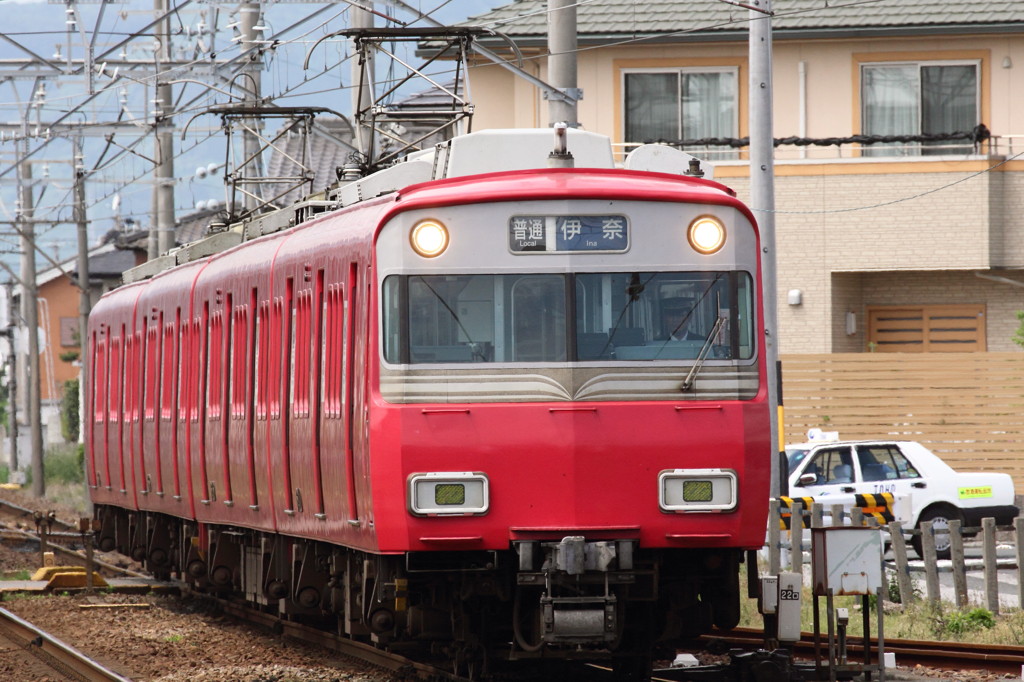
316 366
261 430
151 475
173 394
133 408
331 426
243 365
223 379
98 452
119 404
352 414
201 335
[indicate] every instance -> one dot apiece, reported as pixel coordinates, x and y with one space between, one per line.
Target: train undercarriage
559 600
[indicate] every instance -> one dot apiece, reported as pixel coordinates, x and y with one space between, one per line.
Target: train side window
116 376
275 360
184 357
152 374
131 374
99 380
214 353
262 359
301 352
334 342
239 335
197 362
169 370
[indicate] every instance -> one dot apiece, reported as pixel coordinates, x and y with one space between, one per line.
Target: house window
929 328
927 98
69 332
681 104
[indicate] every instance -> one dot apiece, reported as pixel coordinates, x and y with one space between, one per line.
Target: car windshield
795 455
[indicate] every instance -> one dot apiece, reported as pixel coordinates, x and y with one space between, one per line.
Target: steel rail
329 640
931 653
74 554
18 511
54 653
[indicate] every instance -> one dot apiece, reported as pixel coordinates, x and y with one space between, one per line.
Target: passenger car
924 487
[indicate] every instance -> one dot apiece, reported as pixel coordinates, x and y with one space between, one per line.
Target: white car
924 487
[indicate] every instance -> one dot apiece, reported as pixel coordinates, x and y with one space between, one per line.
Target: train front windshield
559 317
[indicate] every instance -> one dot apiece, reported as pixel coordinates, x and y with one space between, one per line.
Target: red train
519 412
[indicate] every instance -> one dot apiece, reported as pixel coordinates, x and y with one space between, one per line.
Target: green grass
918 620
17 575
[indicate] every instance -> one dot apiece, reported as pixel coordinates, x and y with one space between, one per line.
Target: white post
762 201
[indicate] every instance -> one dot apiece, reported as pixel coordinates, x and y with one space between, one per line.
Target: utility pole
161 236
30 313
249 17
12 381
362 82
84 300
762 201
562 71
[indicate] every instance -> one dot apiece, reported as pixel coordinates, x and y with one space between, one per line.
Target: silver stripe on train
466 385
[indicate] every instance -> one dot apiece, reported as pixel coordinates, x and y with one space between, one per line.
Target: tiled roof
710 18
330 143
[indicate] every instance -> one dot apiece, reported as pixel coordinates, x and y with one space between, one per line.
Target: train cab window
523 318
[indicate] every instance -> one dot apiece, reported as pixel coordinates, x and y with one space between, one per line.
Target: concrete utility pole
12 382
562 62
84 300
249 17
161 238
362 82
30 313
762 201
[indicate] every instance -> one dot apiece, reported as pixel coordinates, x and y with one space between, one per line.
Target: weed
960 622
174 638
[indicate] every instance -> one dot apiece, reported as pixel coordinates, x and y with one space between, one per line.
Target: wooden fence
785 534
968 408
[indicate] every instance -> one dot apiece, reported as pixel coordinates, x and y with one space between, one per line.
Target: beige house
915 245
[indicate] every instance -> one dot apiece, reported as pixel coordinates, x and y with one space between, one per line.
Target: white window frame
679 71
916 149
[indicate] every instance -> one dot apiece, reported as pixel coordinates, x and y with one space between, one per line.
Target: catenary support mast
762 201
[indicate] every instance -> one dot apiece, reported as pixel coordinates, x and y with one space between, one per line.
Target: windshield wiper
703 354
474 347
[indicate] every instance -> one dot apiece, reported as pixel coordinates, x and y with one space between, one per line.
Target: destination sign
558 234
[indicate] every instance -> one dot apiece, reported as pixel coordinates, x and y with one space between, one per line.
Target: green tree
69 420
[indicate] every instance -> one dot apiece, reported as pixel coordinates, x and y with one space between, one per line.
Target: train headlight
697 490
429 238
448 493
706 234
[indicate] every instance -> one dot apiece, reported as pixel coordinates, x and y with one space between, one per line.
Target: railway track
408 668
64 532
944 655
52 653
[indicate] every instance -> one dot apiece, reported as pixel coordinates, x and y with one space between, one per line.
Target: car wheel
940 517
